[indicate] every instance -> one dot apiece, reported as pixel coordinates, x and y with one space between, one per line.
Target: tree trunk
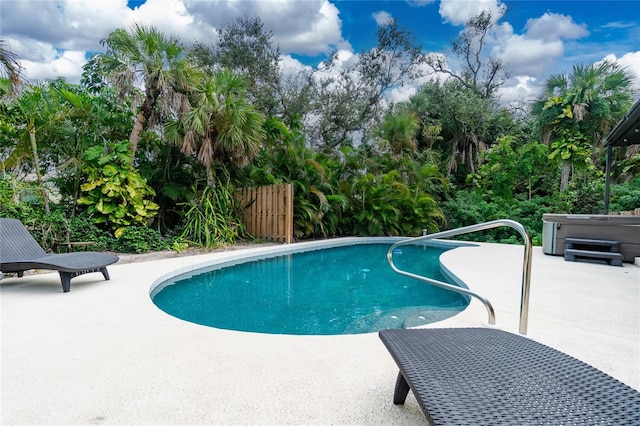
210 177
141 120
564 180
146 109
36 165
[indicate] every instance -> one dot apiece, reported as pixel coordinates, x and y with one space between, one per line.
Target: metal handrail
526 266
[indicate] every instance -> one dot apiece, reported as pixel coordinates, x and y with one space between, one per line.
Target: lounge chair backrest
16 243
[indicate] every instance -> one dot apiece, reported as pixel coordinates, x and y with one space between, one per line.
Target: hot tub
624 229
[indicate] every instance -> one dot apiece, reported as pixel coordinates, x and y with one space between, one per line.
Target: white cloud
520 89
552 26
67 64
631 61
382 18
458 12
322 35
522 55
311 27
42 61
30 49
308 27
291 67
402 93
170 16
66 24
529 57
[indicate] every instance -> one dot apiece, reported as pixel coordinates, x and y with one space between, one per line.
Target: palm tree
399 131
221 126
12 68
576 111
26 116
144 57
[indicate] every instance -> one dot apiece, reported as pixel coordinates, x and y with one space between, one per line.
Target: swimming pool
346 288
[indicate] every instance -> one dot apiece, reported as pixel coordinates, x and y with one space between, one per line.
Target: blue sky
535 39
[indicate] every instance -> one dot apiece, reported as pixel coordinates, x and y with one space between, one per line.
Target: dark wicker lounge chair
479 376
20 252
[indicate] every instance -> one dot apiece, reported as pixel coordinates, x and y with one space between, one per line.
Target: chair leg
105 273
402 390
65 277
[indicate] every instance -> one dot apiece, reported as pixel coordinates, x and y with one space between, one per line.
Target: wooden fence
635 212
269 212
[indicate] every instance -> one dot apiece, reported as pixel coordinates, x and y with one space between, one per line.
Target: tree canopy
159 135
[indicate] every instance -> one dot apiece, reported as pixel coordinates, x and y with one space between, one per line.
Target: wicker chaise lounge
480 376
20 252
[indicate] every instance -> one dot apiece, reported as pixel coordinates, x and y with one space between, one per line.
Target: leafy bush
115 193
55 226
469 208
625 196
82 228
46 227
140 239
583 197
212 217
386 205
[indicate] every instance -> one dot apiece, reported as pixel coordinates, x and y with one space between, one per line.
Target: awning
626 133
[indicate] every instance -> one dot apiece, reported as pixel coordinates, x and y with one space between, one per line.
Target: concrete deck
104 354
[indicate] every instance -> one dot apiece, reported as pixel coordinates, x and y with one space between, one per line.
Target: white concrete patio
104 354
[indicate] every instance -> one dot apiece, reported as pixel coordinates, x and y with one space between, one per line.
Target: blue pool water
339 290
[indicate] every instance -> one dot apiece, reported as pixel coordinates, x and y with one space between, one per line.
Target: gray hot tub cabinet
624 229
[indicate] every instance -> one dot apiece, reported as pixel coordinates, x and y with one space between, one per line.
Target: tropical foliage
213 217
114 193
11 69
221 126
146 57
149 150
576 111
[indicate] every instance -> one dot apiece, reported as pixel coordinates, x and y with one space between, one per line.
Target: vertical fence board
269 212
289 215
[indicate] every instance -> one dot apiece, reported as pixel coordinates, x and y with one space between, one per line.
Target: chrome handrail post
526 267
526 282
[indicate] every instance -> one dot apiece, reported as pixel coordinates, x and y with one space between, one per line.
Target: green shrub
625 196
469 208
212 218
115 193
140 239
82 228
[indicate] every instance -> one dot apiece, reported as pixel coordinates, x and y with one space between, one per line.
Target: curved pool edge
248 255
449 271
475 313
228 259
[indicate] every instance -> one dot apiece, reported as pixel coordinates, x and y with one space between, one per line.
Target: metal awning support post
607 180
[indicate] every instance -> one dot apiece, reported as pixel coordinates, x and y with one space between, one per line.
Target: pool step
396 318
428 317
401 318
607 250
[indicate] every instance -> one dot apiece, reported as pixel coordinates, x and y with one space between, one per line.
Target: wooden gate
269 212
